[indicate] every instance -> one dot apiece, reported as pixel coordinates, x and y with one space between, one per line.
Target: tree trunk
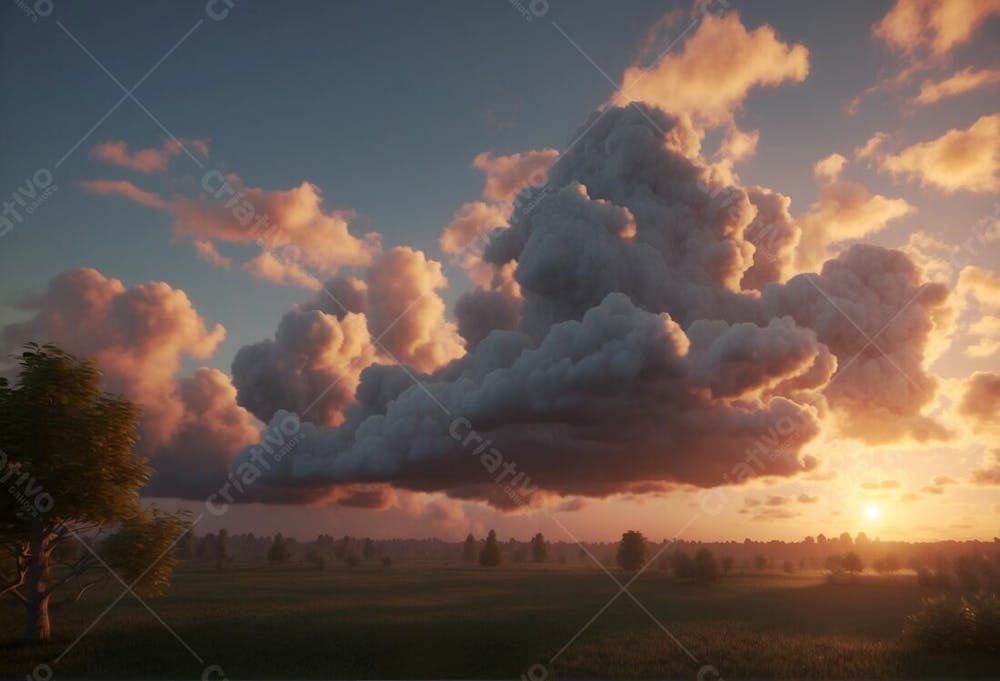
37 627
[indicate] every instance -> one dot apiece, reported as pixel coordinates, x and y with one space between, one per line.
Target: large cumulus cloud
642 355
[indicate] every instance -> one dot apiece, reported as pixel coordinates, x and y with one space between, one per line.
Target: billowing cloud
959 160
981 400
640 358
870 307
933 26
314 364
139 335
151 160
405 312
123 188
959 83
721 62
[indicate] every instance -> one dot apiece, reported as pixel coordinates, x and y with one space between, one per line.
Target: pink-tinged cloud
292 220
507 175
720 63
845 211
967 80
405 312
280 269
981 400
151 160
959 160
933 26
123 188
140 335
206 251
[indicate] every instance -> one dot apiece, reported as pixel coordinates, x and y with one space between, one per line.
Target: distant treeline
813 553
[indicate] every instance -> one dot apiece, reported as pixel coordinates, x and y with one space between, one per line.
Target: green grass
413 622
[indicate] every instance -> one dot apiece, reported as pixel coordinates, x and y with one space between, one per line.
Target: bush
946 624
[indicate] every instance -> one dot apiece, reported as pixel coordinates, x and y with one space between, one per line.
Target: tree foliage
71 477
490 556
632 551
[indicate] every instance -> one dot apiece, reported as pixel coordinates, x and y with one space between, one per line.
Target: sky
719 270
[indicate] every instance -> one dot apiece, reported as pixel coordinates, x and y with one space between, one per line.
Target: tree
280 550
221 550
632 551
469 549
834 562
682 566
891 562
490 555
539 551
852 562
368 549
705 567
70 474
727 565
760 561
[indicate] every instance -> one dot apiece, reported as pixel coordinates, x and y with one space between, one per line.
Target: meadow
258 621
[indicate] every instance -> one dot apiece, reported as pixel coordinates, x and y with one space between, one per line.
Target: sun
873 511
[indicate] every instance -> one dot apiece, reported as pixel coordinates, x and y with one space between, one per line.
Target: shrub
949 624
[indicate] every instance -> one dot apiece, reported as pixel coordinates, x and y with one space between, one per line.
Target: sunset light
396 339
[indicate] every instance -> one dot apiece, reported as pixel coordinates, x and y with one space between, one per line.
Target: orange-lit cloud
206 251
844 211
959 160
123 188
959 83
280 269
507 175
934 26
150 160
721 62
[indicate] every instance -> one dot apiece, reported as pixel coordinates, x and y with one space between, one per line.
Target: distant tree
852 563
469 548
185 546
834 562
69 476
539 551
788 566
891 562
727 564
705 567
352 560
809 541
845 539
280 551
632 551
682 566
221 549
386 562
821 539
368 549
861 539
490 556
760 561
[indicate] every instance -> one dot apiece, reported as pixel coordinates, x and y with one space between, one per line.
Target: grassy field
413 622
